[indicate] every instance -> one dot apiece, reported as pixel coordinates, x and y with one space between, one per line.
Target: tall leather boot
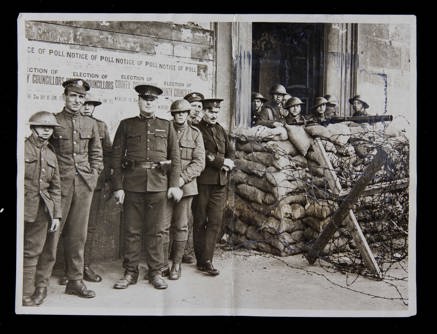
178 253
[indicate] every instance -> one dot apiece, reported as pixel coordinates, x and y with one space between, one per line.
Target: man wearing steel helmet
79 152
192 164
147 167
42 198
258 101
359 106
331 106
273 113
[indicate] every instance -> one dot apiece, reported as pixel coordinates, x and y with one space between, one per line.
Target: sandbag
251 193
320 209
297 211
340 133
299 138
241 155
245 213
329 147
250 167
265 158
251 146
317 130
281 148
259 133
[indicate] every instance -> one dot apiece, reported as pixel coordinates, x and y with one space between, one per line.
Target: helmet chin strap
35 133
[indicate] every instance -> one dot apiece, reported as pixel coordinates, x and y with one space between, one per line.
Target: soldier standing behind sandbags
319 109
359 106
273 114
294 116
42 198
331 106
258 101
212 183
192 164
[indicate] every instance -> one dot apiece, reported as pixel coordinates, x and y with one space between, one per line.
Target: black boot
39 295
78 288
90 276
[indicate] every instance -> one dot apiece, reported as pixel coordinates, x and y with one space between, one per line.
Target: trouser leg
157 227
92 226
199 223
35 234
134 213
215 219
167 240
48 256
75 230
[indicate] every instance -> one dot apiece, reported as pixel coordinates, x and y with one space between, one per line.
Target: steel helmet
43 118
180 106
259 96
358 97
90 99
278 89
294 101
331 99
319 101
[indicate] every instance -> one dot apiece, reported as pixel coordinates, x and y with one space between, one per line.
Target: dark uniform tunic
139 144
209 204
295 120
104 177
42 202
79 153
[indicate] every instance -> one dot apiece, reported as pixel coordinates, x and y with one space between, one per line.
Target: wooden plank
382 186
349 217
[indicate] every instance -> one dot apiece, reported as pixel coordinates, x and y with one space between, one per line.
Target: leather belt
146 164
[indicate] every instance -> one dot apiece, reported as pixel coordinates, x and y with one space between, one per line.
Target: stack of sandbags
282 198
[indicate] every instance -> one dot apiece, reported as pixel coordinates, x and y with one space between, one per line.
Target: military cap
331 99
76 85
211 103
180 106
294 101
43 118
259 96
92 100
319 101
357 97
194 96
278 89
148 90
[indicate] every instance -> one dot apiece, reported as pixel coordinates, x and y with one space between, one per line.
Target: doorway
291 54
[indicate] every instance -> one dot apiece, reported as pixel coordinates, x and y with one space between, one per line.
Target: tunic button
74 153
74 143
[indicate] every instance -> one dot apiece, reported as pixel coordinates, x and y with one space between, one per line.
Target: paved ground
250 283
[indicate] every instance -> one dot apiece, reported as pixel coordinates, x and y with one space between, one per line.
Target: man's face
330 108
357 105
257 104
321 109
43 132
87 109
196 113
295 110
180 117
277 98
210 115
147 104
74 101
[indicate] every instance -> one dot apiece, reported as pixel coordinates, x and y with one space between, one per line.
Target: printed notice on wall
112 76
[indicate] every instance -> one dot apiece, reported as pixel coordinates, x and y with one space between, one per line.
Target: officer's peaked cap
148 90
76 85
358 97
194 96
211 103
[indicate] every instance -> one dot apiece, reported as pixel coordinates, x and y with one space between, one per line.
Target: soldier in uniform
294 116
196 112
79 152
192 164
273 113
147 167
359 106
319 108
212 182
42 198
258 101
331 106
